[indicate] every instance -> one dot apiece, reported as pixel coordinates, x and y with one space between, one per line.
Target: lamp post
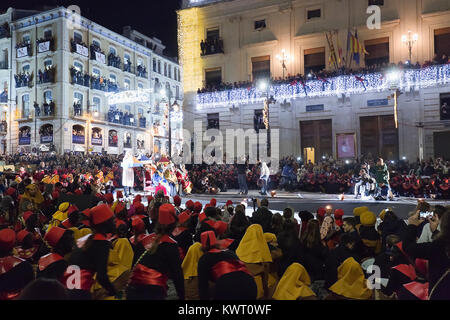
168 93
264 86
283 58
410 40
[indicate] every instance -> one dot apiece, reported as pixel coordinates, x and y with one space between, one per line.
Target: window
78 66
96 103
261 67
165 69
213 121
96 43
126 58
26 38
260 24
78 37
258 120
175 74
112 50
25 106
26 68
314 60
48 96
128 108
317 13
112 78
140 62
378 50
78 98
170 71
442 42
154 65
213 76
159 66
96 72
177 91
140 111
141 86
127 84
376 2
213 33
47 34
48 63
139 40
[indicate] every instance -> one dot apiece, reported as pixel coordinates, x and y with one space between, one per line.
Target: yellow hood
294 284
190 262
351 281
253 247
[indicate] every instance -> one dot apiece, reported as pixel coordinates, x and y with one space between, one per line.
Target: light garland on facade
337 86
129 96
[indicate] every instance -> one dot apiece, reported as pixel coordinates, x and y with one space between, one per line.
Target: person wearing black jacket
263 216
436 252
391 225
242 176
207 221
182 234
222 267
15 273
92 258
314 252
159 262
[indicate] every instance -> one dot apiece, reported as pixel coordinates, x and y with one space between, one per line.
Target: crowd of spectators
115 115
24 79
114 61
211 46
326 74
48 75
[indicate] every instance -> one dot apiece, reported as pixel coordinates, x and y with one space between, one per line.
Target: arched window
48 63
112 50
26 38
97 137
26 68
127 84
25 105
78 98
96 103
113 138
96 72
112 78
48 96
159 66
96 43
78 66
78 37
78 134
126 58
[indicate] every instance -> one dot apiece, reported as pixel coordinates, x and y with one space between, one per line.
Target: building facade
73 85
342 117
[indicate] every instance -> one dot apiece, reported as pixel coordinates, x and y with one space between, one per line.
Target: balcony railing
47 76
79 78
211 46
24 80
141 71
114 61
79 47
46 110
44 45
24 50
114 117
97 54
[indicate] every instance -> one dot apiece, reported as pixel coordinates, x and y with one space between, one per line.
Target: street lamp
283 58
175 106
410 40
263 85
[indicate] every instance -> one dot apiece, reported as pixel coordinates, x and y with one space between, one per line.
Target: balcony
47 76
79 78
103 84
47 110
3 128
44 45
114 61
97 54
141 71
211 46
4 65
24 50
79 47
24 80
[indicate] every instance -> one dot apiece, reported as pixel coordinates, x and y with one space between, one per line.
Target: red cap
321 212
139 208
100 214
220 227
72 209
21 236
10 191
109 198
166 214
183 217
190 205
55 194
27 215
208 239
78 192
7 239
229 203
138 198
208 205
338 213
54 235
213 202
177 201
137 224
119 195
197 207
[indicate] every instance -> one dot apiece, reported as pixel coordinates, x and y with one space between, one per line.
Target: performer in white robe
127 173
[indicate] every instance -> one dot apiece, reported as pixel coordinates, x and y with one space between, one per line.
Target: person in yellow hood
31 200
351 283
60 215
190 271
294 285
254 251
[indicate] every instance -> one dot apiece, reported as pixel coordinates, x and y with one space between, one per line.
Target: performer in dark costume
160 261
231 278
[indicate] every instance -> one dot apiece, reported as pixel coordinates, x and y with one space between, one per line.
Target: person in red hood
177 204
338 216
160 261
15 273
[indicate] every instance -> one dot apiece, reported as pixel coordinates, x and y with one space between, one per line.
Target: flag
356 47
339 49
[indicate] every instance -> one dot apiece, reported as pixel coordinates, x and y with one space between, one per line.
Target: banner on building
100 57
46 139
23 141
78 139
22 52
346 146
44 46
82 50
97 141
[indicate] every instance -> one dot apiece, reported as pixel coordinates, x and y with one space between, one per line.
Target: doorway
308 155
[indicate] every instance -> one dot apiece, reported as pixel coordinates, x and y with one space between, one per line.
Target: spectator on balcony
77 108
37 109
203 47
141 71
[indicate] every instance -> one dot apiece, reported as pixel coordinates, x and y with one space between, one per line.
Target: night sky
150 17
